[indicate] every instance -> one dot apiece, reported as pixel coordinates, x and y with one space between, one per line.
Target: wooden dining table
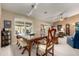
30 42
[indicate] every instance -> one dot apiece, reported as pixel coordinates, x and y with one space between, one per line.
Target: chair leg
37 51
37 54
23 51
20 47
17 43
46 53
52 51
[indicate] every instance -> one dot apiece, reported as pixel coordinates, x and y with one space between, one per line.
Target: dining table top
28 38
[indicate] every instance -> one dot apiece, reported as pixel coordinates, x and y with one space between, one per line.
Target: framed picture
7 24
59 27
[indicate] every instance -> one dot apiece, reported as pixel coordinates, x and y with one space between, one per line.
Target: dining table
30 41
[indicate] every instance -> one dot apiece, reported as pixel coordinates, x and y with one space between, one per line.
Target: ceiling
44 11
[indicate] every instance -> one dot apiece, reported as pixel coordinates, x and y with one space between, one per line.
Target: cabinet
5 38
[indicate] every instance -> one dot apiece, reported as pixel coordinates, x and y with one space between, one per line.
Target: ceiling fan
33 7
58 17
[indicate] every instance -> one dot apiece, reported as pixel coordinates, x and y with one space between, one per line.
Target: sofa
73 40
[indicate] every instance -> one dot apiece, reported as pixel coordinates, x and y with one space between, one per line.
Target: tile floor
61 49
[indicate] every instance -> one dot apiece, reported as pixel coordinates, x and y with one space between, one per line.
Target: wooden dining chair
44 49
55 40
21 43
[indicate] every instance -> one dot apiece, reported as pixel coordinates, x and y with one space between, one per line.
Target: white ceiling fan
33 7
58 17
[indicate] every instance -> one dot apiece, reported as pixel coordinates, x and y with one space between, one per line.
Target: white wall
0 24
37 26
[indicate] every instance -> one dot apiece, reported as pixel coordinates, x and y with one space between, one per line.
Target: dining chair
44 49
21 43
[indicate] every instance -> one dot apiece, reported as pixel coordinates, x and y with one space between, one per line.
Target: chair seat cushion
43 47
22 43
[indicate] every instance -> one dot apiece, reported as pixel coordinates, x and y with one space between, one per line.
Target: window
23 27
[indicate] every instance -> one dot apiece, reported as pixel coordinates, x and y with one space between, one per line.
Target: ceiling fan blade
33 8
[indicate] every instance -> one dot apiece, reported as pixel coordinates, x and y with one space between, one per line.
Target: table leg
30 48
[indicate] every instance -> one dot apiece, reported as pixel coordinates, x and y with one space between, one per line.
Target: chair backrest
18 37
51 36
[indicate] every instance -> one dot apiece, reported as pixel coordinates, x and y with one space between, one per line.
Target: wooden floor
61 49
